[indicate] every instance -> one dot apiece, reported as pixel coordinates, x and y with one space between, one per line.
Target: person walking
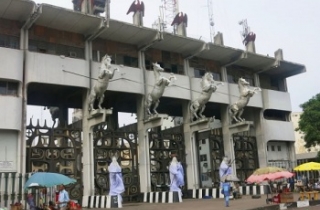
226 188
63 198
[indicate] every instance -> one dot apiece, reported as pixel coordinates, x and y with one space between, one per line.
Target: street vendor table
309 195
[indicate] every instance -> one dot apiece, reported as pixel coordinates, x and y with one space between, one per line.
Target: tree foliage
310 121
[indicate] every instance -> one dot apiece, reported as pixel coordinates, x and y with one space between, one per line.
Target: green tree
310 121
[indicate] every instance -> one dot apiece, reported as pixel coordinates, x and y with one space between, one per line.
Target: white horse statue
101 84
208 87
236 109
160 84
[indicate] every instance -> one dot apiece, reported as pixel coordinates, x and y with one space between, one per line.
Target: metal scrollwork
55 150
162 145
246 155
122 145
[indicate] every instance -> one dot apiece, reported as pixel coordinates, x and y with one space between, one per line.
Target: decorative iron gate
122 144
246 155
162 144
56 150
211 152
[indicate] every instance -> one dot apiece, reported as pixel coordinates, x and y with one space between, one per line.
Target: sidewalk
246 203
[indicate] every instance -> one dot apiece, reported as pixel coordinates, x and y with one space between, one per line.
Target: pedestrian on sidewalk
226 189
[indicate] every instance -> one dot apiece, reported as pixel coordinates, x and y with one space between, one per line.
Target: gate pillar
228 130
190 144
89 120
143 137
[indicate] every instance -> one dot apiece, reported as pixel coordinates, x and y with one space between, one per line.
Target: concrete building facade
299 136
51 57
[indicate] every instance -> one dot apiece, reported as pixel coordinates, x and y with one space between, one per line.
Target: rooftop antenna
170 10
211 22
160 22
248 36
245 28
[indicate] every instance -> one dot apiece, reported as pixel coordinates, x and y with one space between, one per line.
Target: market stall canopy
311 166
268 174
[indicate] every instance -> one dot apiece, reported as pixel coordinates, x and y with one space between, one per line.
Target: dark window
272 148
9 88
272 114
9 41
279 148
198 73
56 49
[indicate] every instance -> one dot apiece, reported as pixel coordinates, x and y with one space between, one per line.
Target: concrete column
87 149
278 54
224 74
251 47
261 141
227 137
21 146
181 29
191 152
137 19
143 150
87 146
218 39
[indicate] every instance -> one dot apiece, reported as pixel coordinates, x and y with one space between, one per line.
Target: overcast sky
292 26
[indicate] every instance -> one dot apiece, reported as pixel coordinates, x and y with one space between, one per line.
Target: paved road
209 204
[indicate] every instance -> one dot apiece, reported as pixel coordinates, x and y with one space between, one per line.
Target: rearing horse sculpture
101 84
160 84
237 108
208 87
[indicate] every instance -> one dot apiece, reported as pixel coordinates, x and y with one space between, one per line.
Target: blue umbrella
44 179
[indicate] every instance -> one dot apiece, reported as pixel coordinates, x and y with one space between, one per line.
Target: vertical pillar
21 146
87 146
261 141
191 152
87 149
218 39
251 47
228 137
137 18
182 29
144 156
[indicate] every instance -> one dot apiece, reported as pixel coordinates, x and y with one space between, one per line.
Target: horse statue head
243 82
157 67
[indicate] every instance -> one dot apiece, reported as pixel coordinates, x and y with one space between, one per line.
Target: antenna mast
211 22
170 8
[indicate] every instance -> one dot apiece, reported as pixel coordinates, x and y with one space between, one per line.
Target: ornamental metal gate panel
246 155
162 144
57 150
123 145
210 154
